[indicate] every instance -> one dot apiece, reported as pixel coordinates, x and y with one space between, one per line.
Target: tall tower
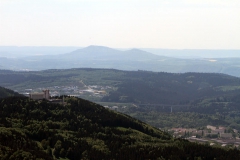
46 94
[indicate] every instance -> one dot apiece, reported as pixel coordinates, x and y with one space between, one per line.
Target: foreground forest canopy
195 99
81 129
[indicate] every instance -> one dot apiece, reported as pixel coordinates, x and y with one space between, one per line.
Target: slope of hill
194 53
4 92
83 130
203 97
166 88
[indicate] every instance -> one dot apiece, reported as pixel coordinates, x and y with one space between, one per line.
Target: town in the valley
212 135
88 92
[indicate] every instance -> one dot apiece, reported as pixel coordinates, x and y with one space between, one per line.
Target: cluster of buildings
219 132
209 132
45 94
78 91
40 95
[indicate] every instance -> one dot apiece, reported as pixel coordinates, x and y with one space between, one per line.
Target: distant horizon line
116 47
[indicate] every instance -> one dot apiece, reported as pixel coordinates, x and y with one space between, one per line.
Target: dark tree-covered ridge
4 92
81 129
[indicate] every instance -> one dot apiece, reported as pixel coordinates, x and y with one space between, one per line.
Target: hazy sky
173 24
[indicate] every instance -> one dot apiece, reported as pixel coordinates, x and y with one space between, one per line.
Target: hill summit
106 53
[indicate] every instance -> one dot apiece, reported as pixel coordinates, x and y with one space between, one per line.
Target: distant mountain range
195 53
25 51
133 59
105 53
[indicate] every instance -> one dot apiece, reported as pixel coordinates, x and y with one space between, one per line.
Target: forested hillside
80 129
167 88
4 92
196 99
131 86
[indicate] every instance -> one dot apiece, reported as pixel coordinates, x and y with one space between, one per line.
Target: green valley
161 99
